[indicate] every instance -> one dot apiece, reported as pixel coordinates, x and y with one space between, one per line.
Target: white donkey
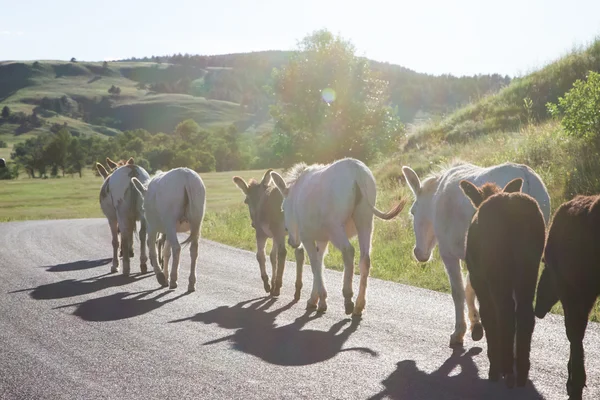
442 214
174 201
333 202
122 206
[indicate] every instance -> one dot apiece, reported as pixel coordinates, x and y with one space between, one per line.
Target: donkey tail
195 198
366 185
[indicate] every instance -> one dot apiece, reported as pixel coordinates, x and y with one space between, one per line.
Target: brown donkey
572 275
264 203
504 247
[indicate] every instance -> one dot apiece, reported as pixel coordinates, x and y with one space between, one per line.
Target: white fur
319 207
166 212
442 214
122 206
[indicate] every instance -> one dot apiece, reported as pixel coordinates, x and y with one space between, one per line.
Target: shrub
3 144
579 107
5 112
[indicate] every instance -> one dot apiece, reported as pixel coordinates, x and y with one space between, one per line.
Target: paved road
71 330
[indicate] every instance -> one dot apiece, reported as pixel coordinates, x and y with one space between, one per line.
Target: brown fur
572 275
264 203
504 246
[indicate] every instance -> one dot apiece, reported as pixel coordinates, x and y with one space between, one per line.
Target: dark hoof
297 295
322 310
131 253
349 306
173 285
311 307
267 287
521 381
162 281
143 268
477 332
509 380
275 292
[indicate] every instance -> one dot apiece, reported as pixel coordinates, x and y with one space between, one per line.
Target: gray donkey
264 203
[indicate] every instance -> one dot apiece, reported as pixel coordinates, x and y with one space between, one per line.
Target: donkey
174 201
2 163
504 248
441 213
333 202
122 206
264 203
572 275
111 166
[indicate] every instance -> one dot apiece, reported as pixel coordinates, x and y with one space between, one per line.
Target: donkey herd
493 219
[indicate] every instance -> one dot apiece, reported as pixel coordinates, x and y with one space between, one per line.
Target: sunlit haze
460 37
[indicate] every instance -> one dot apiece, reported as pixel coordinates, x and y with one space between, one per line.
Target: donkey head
254 192
479 195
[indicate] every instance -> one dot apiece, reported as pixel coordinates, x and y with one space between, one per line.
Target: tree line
59 153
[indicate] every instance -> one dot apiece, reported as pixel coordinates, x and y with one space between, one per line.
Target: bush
3 144
5 112
9 172
579 107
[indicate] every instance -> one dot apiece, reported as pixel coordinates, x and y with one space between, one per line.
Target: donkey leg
321 251
176 252
340 240
474 319
194 258
458 295
525 326
143 255
313 256
273 259
576 320
166 245
154 258
261 242
126 239
114 230
506 320
490 325
299 253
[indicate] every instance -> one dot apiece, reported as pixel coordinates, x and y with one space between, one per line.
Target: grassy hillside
520 103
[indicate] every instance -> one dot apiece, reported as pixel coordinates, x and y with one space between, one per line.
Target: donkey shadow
72 287
77 265
121 305
408 382
288 345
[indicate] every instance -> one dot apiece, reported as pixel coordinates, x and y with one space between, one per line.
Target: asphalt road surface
71 330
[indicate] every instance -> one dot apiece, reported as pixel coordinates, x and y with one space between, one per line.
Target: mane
296 171
489 189
442 168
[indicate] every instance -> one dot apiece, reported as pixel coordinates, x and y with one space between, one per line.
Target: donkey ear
130 161
266 178
281 185
139 186
101 170
513 186
472 192
111 164
241 184
412 179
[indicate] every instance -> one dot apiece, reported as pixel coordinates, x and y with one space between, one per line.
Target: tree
330 104
73 60
56 151
579 107
76 156
114 90
105 65
5 112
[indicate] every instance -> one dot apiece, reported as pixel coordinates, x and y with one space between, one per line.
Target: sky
458 37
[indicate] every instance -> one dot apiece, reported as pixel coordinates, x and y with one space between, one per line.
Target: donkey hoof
131 254
114 269
322 308
191 288
310 306
275 292
349 306
456 340
143 268
297 295
521 381
477 332
173 285
125 273
509 380
267 287
162 281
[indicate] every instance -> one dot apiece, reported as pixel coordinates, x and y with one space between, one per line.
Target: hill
521 103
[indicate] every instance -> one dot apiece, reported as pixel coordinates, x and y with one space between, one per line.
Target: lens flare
328 94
